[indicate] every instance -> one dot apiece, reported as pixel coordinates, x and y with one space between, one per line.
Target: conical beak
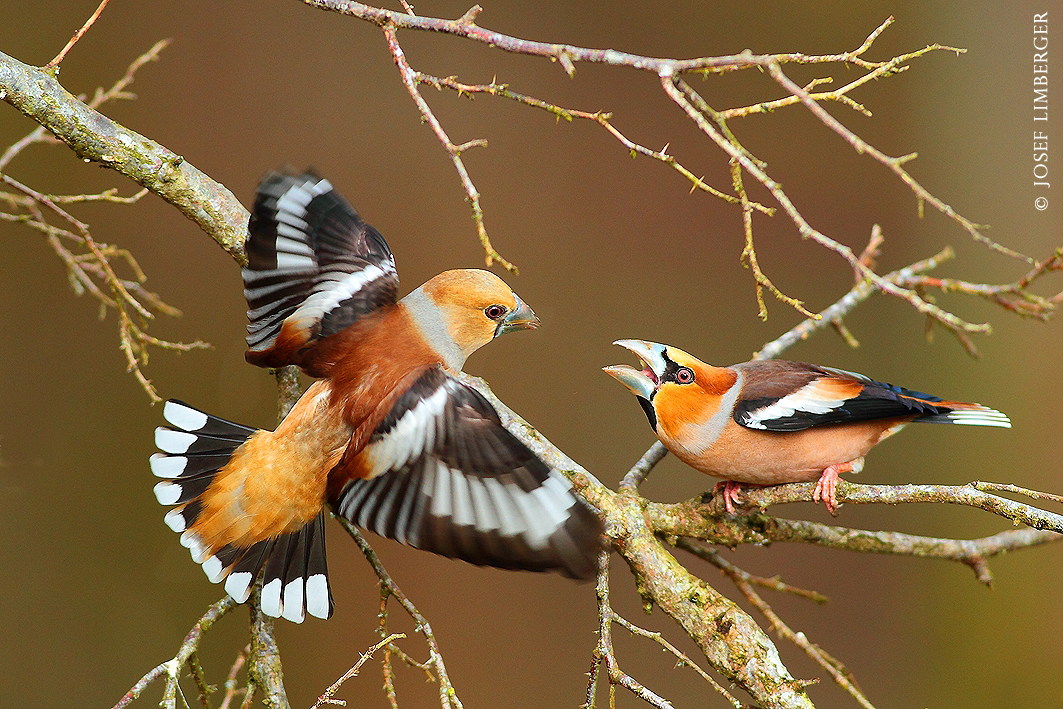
643 383
521 318
639 384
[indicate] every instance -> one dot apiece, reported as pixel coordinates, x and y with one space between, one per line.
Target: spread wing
441 473
792 396
314 268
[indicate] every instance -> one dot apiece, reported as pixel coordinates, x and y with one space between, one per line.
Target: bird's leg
827 486
730 490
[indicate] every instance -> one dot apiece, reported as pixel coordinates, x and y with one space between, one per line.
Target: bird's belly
774 457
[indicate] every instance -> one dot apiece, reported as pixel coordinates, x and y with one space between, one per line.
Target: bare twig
409 78
136 690
171 669
744 581
603 652
77 35
975 553
634 477
232 689
669 71
601 118
721 630
749 254
1014 297
966 495
858 294
448 697
895 164
713 557
94 267
326 697
1005 487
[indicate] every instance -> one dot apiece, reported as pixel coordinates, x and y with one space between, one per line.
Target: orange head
674 388
462 310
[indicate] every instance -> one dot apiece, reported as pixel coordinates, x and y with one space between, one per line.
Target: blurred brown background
95 589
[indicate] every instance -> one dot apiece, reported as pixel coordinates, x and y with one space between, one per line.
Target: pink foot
730 490
827 487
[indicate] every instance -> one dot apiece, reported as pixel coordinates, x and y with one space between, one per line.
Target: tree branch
93 136
734 644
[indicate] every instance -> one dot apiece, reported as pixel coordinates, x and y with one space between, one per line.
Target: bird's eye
495 312
684 375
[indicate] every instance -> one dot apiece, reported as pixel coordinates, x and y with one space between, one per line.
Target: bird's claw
730 490
827 486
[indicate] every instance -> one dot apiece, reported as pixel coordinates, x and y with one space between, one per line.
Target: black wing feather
313 265
476 493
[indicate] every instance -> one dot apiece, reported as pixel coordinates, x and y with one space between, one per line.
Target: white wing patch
806 400
511 521
330 293
486 518
411 435
294 201
444 475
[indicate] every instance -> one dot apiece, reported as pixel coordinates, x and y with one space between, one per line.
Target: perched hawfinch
387 437
773 422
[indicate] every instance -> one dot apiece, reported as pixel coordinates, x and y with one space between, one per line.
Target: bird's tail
967 414
293 566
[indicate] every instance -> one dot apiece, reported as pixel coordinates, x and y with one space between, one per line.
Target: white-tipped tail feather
293 568
981 416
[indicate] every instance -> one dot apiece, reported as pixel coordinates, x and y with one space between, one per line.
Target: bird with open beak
773 421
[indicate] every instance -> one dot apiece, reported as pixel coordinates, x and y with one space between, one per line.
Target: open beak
642 383
521 318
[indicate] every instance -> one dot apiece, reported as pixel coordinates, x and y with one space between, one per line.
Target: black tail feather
292 566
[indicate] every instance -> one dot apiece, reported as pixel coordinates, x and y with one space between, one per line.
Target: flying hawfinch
772 421
387 437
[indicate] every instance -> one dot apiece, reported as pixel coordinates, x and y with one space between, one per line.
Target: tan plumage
772 422
387 437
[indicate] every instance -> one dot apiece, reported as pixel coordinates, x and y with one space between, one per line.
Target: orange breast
277 481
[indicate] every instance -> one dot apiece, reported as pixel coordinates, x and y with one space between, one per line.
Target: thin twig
171 669
975 553
638 473
232 689
743 580
326 696
863 290
713 557
895 164
604 653
409 78
1005 487
136 690
77 35
600 117
447 695
966 495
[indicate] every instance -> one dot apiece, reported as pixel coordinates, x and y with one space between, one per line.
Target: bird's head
670 375
477 306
